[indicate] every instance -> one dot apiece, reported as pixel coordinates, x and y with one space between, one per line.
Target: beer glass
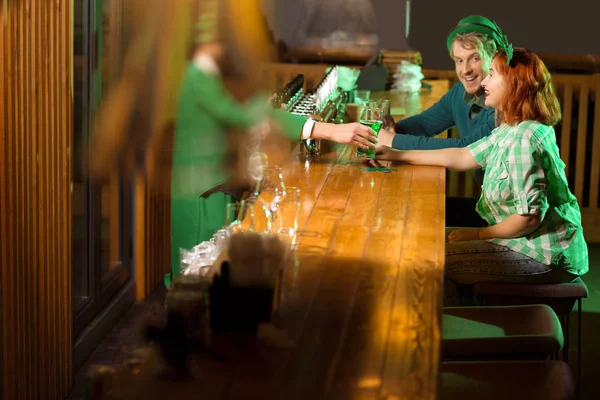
287 215
385 105
372 116
235 213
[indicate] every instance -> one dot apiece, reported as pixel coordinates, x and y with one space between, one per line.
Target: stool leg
579 313
566 335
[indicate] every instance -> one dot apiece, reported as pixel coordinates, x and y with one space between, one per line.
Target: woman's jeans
469 262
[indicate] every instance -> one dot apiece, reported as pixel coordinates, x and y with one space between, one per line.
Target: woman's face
215 49
494 87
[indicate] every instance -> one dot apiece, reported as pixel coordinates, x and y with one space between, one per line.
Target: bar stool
560 296
515 332
502 380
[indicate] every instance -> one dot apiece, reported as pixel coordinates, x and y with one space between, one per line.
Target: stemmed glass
257 162
271 178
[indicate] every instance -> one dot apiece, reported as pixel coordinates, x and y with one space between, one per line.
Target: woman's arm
514 226
458 159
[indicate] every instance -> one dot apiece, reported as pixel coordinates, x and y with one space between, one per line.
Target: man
471 45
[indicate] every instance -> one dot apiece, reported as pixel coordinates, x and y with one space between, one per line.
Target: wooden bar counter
360 302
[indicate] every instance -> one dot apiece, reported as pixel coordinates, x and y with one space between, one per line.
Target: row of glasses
271 208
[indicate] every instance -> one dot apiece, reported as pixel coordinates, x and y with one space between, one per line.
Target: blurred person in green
206 114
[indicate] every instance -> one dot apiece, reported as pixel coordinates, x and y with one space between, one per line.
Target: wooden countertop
361 300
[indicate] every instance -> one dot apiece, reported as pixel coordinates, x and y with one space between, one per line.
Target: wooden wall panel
35 199
153 207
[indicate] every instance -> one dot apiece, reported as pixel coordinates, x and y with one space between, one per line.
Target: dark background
566 27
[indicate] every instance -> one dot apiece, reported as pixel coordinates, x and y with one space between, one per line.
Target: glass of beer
373 116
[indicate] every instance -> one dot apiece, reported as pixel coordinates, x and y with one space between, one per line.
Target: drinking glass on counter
257 162
269 200
287 215
385 106
220 240
271 177
237 217
362 96
372 116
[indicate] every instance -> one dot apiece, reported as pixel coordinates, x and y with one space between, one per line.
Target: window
102 219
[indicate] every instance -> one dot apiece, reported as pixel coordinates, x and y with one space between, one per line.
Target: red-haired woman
534 232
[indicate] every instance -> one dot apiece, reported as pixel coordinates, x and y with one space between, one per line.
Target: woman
534 232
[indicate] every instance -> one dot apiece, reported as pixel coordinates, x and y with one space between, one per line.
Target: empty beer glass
286 219
234 215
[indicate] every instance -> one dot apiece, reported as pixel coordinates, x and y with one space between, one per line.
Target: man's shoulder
457 90
453 101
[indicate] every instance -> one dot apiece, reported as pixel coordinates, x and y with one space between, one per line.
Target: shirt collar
206 64
471 100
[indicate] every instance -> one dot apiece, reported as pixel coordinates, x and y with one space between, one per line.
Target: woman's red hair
529 91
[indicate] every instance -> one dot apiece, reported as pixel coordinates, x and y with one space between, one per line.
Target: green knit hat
206 27
479 24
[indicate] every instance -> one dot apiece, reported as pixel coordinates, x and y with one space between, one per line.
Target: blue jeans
475 261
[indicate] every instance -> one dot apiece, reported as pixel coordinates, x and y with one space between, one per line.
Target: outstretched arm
412 142
354 133
458 159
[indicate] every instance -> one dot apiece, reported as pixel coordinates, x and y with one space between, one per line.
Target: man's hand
354 134
464 234
385 137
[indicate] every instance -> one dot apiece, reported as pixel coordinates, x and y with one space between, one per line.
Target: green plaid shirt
476 104
524 175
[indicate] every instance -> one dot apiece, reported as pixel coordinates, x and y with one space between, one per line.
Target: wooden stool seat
523 332
506 380
560 296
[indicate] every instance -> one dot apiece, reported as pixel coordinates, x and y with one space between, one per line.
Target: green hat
206 27
479 24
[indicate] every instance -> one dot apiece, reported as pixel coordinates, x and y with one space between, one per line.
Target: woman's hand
386 137
464 234
386 153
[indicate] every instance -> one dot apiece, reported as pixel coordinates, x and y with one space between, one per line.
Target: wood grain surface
361 299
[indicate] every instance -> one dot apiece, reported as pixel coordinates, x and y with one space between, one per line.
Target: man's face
469 68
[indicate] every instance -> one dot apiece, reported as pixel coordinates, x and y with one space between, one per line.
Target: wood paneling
152 235
153 207
35 199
